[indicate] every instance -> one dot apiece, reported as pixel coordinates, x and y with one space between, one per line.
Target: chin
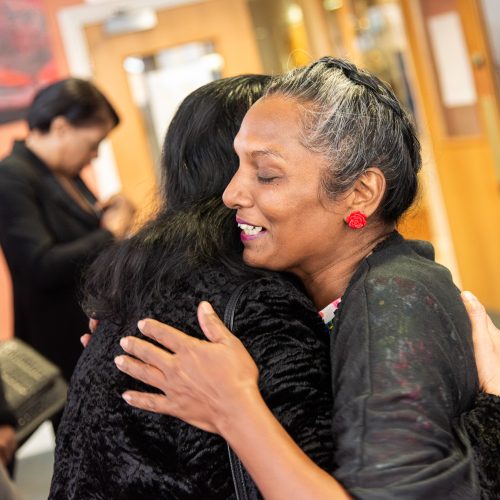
260 261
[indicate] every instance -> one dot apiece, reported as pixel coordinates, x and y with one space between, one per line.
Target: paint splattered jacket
403 374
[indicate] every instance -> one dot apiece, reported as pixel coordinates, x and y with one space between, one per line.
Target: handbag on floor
34 388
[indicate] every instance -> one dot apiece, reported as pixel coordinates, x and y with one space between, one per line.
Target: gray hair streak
355 120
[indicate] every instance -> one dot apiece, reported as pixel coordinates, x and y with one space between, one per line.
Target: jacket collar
57 192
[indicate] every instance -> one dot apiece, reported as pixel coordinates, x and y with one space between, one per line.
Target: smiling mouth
250 230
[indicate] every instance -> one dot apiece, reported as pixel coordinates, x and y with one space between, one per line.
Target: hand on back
486 337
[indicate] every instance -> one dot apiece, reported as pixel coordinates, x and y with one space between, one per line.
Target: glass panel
159 82
281 34
452 67
379 41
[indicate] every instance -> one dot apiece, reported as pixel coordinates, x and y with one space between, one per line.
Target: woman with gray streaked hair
328 164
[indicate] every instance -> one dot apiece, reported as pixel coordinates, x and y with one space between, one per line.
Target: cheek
298 210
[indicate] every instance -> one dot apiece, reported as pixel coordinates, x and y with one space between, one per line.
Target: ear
59 125
368 191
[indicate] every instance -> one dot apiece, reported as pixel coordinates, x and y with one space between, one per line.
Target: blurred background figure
50 222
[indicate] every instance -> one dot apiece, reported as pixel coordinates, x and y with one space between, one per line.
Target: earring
356 220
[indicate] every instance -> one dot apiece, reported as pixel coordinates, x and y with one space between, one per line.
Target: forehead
94 131
271 120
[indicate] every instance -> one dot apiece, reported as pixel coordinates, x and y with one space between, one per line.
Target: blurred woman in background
50 222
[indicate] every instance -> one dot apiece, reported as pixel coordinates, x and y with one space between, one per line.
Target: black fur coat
108 450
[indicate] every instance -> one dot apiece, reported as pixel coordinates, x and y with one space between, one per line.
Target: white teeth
250 230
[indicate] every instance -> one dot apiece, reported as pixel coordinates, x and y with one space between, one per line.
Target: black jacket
403 374
46 238
107 449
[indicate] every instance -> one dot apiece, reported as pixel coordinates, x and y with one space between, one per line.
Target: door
455 74
371 34
147 73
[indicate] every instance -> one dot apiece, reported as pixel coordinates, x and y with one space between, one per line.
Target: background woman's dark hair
193 228
79 101
356 121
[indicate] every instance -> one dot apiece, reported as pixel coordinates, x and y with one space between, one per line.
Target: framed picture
26 56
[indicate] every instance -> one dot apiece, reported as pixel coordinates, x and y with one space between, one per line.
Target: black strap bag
244 487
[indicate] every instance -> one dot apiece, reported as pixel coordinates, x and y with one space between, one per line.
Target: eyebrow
266 152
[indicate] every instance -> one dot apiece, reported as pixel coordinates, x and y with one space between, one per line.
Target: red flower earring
356 220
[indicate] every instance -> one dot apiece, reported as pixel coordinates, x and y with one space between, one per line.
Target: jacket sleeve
28 243
289 343
483 428
400 371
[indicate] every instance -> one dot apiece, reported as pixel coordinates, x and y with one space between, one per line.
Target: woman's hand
486 337
85 338
202 382
117 216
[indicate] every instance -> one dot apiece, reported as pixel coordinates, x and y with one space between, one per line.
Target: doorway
456 78
146 73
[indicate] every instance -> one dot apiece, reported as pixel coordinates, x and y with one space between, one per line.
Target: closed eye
266 180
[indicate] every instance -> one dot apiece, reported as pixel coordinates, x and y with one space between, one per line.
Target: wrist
235 412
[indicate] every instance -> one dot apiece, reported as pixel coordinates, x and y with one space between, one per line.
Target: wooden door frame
72 21
432 196
466 216
226 24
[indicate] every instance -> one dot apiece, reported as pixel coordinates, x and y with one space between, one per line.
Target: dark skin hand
486 337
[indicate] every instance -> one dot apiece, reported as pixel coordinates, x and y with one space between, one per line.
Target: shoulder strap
232 303
240 487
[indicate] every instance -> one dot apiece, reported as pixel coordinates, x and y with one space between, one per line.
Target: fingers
85 339
7 443
473 306
11 449
166 335
483 330
157 403
477 314
146 352
148 374
93 323
212 326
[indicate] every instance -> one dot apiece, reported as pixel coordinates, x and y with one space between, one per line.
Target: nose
236 195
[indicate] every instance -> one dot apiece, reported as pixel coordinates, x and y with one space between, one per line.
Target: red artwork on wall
26 57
